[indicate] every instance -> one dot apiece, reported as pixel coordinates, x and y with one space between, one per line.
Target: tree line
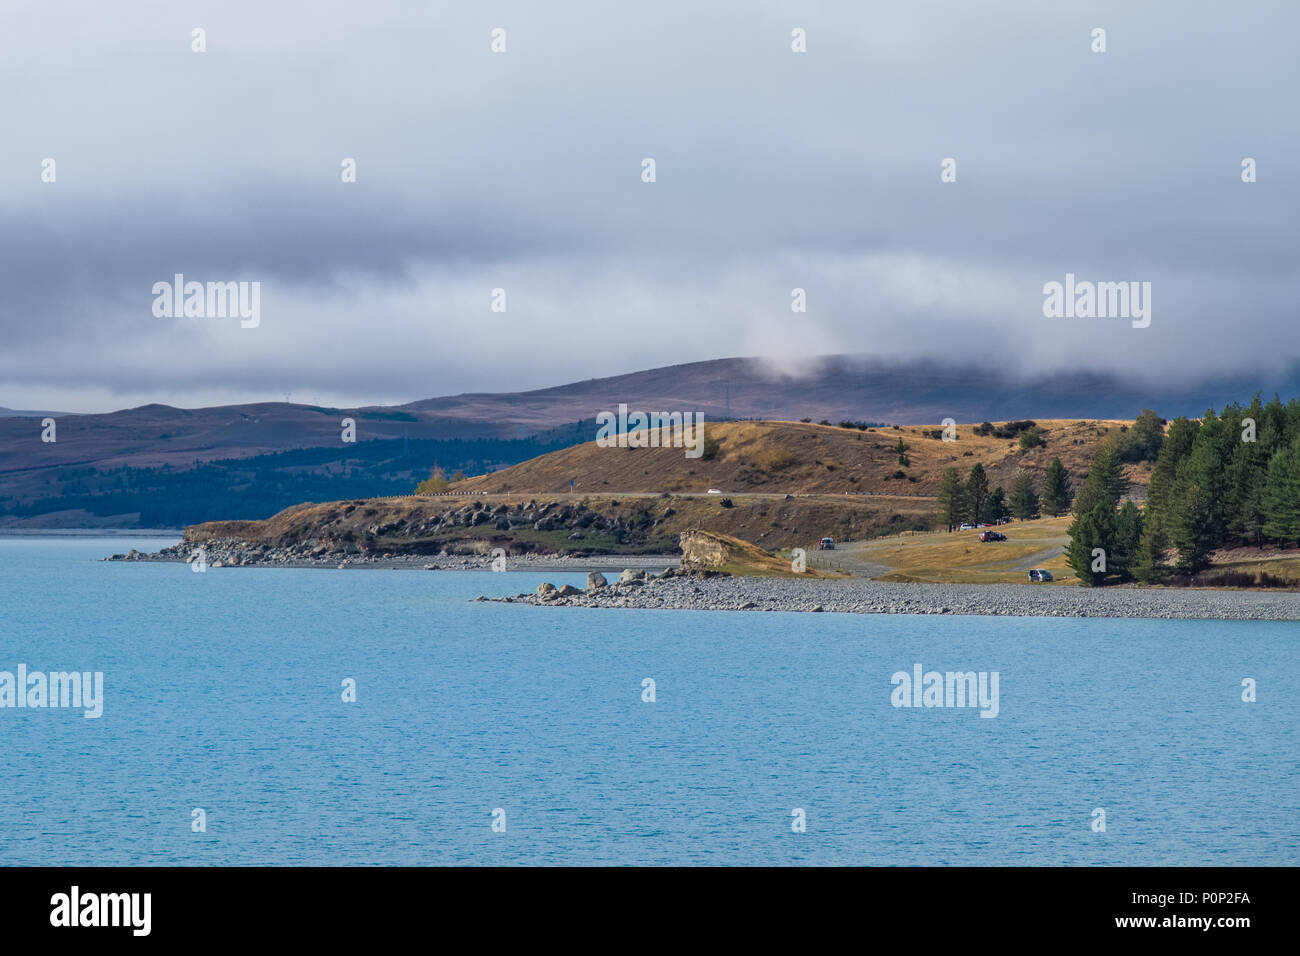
1228 479
972 502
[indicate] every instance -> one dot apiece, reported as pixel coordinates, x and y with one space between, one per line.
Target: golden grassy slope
779 457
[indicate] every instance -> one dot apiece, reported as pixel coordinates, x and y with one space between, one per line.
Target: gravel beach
863 596
656 582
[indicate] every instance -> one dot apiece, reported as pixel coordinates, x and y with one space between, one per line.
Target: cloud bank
522 171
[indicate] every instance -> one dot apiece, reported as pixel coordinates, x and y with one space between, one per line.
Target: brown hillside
796 458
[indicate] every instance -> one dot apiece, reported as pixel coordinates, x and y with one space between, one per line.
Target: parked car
713 491
826 544
992 536
1039 575
966 527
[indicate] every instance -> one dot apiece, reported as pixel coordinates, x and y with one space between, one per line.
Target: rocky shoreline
657 582
704 591
237 553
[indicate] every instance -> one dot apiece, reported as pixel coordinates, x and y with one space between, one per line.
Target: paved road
604 493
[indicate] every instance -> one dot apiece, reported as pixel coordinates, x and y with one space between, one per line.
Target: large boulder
595 580
701 549
546 590
567 590
705 551
632 574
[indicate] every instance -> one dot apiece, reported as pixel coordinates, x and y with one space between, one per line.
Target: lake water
222 691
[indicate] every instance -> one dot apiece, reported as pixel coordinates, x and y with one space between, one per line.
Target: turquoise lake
223 691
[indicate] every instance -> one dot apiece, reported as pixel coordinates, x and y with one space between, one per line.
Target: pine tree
1088 532
1206 469
1149 562
1105 483
952 498
1191 529
1024 502
1057 493
1247 476
1143 440
1175 449
1124 544
977 493
1282 495
996 508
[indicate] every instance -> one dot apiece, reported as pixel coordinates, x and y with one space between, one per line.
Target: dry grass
960 557
779 457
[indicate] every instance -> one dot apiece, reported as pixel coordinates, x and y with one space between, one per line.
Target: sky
522 170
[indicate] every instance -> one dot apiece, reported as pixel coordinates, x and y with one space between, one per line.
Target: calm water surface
223 691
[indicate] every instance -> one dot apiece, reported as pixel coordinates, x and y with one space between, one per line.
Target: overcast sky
522 170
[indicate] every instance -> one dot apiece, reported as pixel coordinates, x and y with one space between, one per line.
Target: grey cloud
774 170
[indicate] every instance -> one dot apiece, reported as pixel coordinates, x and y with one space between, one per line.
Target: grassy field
960 557
1277 562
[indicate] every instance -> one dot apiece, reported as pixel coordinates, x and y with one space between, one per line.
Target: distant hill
21 413
104 469
856 388
835 388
